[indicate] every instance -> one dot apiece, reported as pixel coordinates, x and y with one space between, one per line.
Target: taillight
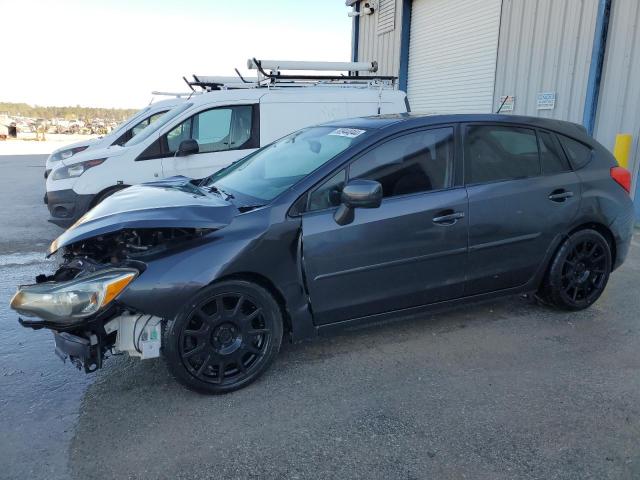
622 176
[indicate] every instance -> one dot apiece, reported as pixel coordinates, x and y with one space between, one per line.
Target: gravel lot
506 389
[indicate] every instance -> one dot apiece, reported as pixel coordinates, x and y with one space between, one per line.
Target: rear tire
579 272
225 338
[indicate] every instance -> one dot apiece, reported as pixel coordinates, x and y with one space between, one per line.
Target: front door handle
560 195
448 217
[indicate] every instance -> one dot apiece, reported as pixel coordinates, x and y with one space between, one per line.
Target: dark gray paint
174 202
390 260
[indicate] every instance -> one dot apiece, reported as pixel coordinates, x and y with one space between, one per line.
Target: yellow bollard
622 149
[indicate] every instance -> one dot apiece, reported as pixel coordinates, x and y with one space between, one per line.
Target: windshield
134 117
152 127
276 167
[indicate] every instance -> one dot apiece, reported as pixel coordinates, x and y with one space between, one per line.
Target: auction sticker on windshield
347 132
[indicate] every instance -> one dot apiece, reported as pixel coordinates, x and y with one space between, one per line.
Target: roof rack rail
172 94
352 69
276 78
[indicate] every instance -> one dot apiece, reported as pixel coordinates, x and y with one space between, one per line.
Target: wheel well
100 194
598 227
602 230
267 284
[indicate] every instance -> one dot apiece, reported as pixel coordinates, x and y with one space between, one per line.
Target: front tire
226 337
579 271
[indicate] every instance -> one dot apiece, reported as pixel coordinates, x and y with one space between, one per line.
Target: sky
113 53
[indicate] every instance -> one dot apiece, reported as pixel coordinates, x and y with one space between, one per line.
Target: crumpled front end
82 301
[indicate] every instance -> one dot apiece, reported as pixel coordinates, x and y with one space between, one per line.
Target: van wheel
579 271
225 338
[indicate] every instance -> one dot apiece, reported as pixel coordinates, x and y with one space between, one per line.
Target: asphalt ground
502 390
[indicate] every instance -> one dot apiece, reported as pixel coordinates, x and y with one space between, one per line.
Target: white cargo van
211 130
119 136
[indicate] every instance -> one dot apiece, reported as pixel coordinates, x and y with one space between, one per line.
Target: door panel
512 224
389 258
201 165
520 199
224 134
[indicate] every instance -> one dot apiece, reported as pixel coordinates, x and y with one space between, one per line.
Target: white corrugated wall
545 46
379 38
619 100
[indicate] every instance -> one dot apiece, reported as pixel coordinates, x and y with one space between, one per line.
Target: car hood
171 203
92 154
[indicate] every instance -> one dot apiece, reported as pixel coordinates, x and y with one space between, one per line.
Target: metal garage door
453 47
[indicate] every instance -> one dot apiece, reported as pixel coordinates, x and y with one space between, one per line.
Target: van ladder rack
274 77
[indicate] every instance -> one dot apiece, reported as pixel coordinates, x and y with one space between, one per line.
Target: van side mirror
358 194
187 147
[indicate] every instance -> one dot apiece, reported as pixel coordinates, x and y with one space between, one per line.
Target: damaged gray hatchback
334 226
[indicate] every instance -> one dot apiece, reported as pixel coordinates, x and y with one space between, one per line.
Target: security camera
367 9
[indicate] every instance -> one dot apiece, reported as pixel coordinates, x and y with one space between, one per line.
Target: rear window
579 154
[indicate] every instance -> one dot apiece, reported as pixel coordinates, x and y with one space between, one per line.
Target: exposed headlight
75 170
78 298
69 152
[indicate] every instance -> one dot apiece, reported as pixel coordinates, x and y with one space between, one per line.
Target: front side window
328 194
495 152
578 153
215 130
273 169
553 160
418 162
177 135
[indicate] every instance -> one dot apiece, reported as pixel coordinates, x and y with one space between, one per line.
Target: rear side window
495 152
553 160
418 162
579 154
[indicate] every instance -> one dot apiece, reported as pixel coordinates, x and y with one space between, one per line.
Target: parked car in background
203 134
119 136
334 226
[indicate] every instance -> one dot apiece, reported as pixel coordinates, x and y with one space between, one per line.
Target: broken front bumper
78 350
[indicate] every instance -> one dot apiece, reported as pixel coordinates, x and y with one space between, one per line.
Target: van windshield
162 121
132 118
273 169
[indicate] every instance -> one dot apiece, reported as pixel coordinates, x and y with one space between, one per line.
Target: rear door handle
448 217
560 195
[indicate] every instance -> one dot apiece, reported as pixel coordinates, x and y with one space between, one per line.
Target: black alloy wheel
226 339
579 271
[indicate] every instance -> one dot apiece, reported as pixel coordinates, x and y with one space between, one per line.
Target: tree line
67 113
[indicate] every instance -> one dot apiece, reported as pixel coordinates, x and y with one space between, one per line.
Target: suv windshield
166 118
274 168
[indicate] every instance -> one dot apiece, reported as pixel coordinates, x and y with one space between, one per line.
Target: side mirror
187 147
357 194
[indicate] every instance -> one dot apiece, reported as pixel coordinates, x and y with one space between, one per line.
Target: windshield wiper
227 196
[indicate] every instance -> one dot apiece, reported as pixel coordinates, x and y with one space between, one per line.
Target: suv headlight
77 298
69 152
75 170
